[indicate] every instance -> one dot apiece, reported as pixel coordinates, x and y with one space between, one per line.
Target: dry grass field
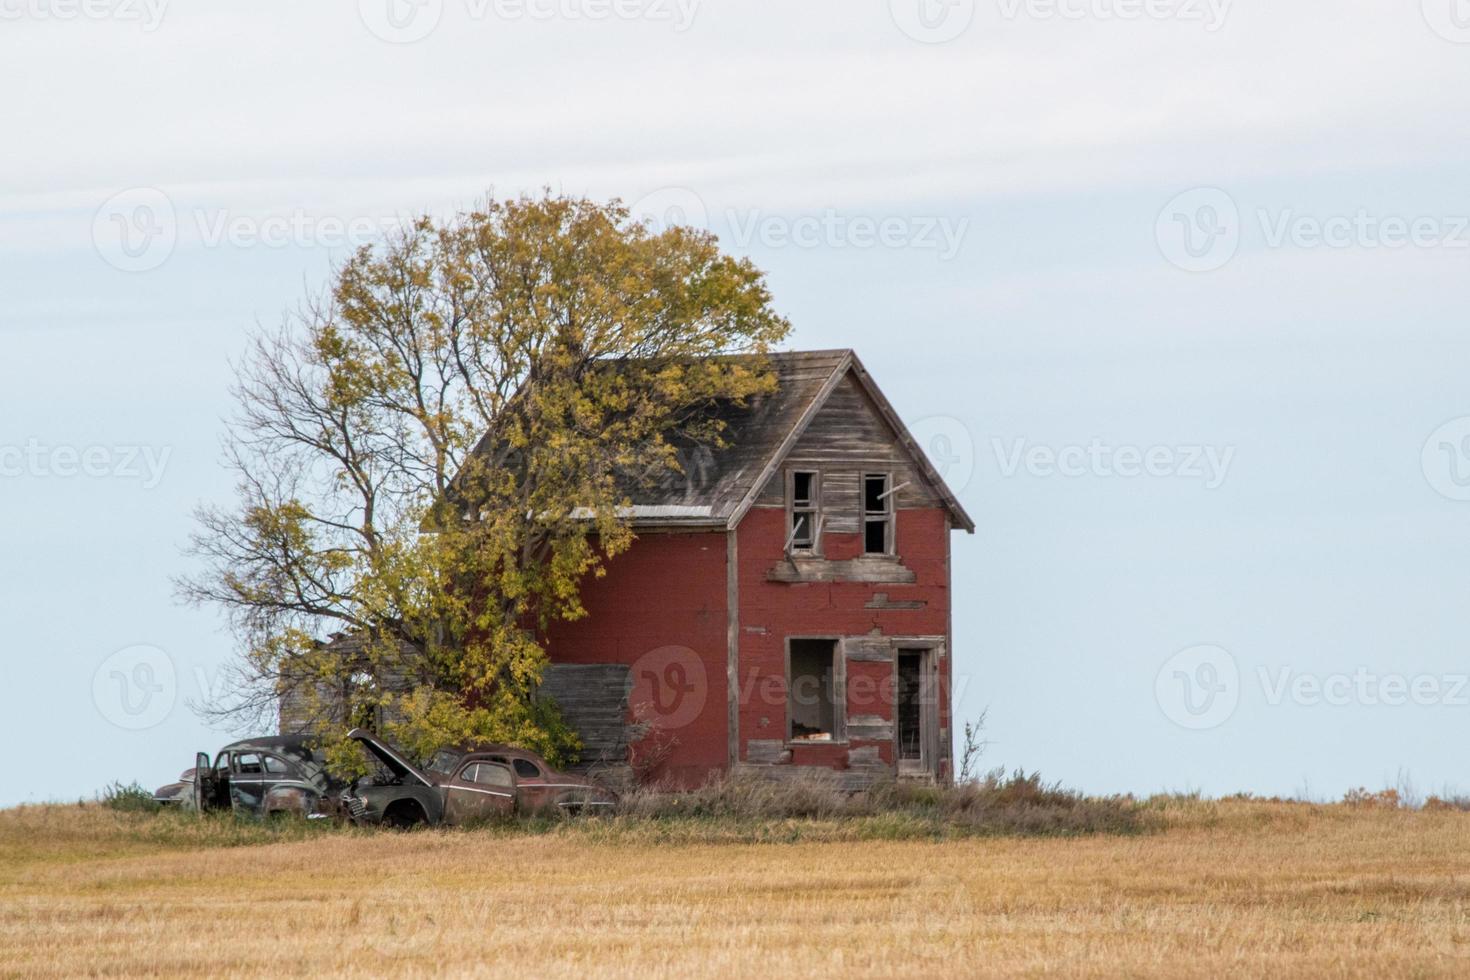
1230 888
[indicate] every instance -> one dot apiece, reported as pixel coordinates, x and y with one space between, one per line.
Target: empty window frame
814 688
877 514
804 510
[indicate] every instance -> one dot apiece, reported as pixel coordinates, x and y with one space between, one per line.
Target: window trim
475 764
888 516
839 690
814 508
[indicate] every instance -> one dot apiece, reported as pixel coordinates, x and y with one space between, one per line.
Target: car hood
390 758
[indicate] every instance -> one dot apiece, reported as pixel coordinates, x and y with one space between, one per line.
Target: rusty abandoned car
463 786
258 777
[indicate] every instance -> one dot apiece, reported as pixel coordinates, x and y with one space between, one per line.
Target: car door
247 784
284 789
532 786
205 783
481 790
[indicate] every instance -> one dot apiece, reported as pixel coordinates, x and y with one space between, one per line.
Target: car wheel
404 815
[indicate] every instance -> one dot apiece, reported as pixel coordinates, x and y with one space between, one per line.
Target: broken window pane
804 510
874 488
801 530
801 488
877 516
875 537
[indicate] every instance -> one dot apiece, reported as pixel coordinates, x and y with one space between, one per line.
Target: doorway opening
915 712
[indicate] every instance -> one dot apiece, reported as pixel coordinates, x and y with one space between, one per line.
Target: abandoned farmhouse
786 603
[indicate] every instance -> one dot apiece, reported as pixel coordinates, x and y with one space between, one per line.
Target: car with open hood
259 777
464 785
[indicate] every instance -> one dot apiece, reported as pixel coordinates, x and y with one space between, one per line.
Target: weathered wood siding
593 699
848 437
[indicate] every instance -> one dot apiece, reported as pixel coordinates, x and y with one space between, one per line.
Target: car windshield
314 771
443 762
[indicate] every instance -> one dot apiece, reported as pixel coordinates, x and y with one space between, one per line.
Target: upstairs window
877 514
804 520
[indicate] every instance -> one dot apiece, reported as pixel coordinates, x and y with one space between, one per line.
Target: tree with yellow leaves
433 457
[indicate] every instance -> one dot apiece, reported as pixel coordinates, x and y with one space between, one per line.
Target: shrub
993 804
130 798
1386 799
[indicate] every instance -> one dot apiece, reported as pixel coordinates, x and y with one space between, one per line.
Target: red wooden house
786 603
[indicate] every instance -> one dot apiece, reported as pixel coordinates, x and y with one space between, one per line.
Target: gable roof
716 487
846 363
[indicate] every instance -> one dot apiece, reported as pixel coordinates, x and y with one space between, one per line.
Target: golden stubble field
1232 889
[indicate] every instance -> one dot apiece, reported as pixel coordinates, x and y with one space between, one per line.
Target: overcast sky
1173 290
